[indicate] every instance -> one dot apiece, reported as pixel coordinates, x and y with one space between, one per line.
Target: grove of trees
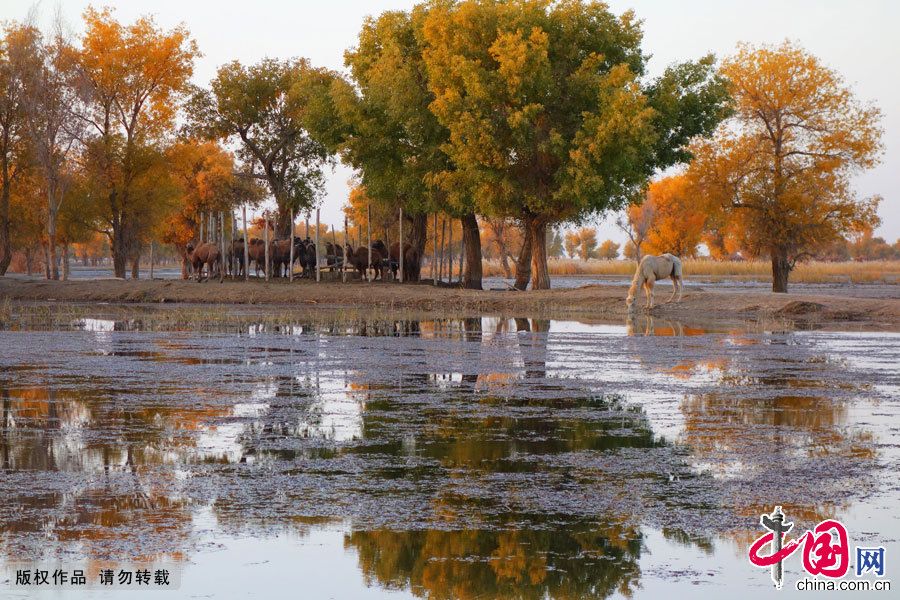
513 120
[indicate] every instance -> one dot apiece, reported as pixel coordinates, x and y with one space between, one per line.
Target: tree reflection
585 560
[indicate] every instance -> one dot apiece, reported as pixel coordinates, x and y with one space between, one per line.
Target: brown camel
359 259
205 254
257 253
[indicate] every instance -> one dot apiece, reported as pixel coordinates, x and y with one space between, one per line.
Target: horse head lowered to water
649 271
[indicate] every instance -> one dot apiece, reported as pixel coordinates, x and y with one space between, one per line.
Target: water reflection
577 561
490 456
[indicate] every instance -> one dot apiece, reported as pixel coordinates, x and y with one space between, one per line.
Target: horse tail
636 282
676 267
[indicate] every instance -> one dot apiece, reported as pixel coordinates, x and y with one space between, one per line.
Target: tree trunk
472 248
523 263
283 223
185 266
51 243
136 266
46 249
540 274
118 248
65 262
5 245
781 269
418 236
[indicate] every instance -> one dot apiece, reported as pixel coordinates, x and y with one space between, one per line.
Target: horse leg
674 289
648 287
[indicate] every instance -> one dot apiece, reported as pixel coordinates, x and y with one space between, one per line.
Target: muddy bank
597 302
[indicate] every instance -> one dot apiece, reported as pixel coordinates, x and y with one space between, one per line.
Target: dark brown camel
281 255
410 261
359 259
236 256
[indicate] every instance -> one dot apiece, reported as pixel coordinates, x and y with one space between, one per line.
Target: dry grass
756 270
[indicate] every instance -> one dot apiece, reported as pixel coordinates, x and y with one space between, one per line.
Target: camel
410 261
236 254
257 252
359 259
308 258
205 254
651 270
281 255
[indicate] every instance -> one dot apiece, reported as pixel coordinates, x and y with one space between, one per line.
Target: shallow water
446 458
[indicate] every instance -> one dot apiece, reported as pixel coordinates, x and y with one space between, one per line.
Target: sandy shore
596 302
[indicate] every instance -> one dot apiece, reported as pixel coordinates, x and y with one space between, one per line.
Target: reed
887 271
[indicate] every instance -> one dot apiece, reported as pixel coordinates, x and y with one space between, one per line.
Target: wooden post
401 245
246 245
344 254
369 238
462 258
307 225
233 259
266 241
333 248
450 255
443 237
202 218
291 266
222 243
318 269
434 250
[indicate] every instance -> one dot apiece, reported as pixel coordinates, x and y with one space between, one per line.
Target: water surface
485 457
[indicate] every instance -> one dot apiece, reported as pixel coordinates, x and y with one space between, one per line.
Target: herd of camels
378 258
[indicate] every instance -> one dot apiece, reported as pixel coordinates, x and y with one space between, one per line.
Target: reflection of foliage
579 561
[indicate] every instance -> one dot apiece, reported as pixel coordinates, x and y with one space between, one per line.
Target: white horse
651 270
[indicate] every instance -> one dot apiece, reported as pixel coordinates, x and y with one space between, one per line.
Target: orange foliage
679 217
781 170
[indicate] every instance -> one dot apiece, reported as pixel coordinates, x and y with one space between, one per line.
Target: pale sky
858 39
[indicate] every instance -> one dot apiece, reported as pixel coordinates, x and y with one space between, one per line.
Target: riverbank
594 302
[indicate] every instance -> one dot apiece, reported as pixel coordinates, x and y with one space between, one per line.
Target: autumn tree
549 116
28 231
782 168
555 244
608 250
53 128
384 216
132 77
570 243
583 242
265 108
865 245
505 237
15 40
680 217
636 224
205 180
